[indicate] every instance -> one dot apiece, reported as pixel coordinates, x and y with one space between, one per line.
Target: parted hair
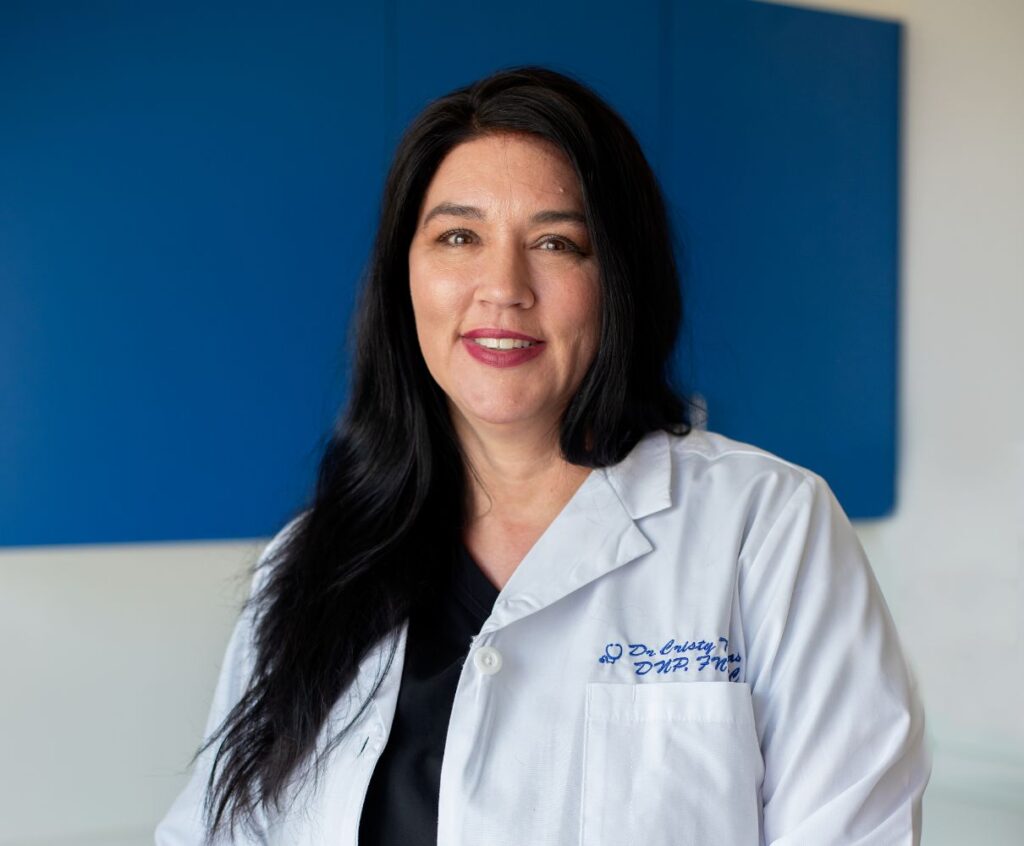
389 500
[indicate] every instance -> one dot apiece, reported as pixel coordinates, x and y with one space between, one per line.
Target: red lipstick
501 358
499 333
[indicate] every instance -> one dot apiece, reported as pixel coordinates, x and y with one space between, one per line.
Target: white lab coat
695 652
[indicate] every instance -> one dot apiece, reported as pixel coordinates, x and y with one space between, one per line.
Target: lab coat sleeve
183 823
839 719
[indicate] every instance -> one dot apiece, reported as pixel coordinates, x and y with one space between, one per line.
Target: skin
506 271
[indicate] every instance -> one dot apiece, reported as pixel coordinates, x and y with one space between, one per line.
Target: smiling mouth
503 352
503 343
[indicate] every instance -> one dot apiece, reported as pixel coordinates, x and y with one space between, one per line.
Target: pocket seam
583 772
623 702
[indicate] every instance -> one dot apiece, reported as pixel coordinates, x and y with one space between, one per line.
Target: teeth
502 343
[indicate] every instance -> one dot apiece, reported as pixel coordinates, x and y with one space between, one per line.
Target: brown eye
559 245
454 233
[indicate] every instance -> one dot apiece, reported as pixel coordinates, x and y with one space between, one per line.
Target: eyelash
570 247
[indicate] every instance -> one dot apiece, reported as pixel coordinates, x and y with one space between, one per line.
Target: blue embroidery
672 657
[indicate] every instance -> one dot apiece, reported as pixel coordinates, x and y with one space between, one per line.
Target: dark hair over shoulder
388 503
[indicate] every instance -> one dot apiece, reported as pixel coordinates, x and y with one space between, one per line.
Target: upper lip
499 333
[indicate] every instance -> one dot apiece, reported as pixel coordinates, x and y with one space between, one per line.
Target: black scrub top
400 808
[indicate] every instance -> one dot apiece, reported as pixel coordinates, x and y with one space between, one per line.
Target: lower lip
502 358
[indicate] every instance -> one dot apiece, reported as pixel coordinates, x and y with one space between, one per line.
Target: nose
505 277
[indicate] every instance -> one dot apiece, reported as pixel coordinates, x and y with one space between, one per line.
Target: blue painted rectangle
188 197
783 178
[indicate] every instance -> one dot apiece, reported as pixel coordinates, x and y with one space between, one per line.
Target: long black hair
390 493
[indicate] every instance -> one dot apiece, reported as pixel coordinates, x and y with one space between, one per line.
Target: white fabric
695 653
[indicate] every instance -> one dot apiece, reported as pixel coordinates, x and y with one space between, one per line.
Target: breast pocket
671 764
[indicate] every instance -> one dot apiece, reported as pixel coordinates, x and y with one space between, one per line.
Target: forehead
502 166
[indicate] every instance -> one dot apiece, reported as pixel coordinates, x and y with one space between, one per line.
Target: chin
497 414
497 418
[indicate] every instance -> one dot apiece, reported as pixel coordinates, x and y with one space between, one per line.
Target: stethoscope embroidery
681 656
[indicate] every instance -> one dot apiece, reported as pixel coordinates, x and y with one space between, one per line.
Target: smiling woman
516 286
507 309
528 603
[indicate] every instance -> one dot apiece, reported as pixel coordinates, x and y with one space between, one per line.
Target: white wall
951 561
108 654
108 657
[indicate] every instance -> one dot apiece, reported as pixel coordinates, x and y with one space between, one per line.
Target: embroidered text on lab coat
710 655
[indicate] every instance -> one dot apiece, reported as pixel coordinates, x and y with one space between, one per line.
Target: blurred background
187 200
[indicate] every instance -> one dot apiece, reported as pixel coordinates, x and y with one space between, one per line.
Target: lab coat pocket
670 764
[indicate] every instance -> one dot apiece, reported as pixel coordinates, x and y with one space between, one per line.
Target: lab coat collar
594 533
643 479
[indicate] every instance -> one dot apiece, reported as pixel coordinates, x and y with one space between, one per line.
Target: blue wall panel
783 175
618 54
188 195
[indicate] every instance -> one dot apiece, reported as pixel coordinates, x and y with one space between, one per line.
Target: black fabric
400 808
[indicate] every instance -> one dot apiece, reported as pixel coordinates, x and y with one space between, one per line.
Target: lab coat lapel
594 534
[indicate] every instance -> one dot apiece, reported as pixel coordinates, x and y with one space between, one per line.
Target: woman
528 603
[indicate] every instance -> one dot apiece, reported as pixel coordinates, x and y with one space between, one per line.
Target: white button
487 660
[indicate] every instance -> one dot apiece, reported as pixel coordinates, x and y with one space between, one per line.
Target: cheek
588 317
436 307
435 294
594 316
423 291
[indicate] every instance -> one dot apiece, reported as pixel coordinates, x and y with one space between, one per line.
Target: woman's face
501 252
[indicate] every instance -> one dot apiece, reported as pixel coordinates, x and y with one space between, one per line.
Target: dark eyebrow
552 216
548 216
455 210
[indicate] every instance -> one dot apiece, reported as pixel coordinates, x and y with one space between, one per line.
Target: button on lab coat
694 652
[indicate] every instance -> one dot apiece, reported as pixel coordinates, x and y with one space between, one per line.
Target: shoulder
701 450
750 489
717 465
239 660
269 557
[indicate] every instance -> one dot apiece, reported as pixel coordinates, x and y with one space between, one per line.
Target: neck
515 472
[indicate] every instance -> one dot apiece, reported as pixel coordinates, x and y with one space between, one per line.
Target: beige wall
109 654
